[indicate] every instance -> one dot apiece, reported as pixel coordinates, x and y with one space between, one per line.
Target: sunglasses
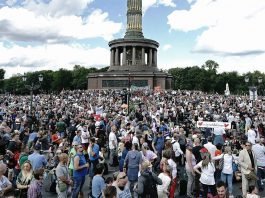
123 177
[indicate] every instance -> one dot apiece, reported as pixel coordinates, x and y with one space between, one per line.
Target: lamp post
31 87
129 92
253 89
260 81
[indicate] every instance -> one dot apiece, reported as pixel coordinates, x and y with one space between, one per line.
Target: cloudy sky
53 34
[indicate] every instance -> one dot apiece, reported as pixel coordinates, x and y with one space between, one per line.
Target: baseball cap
37 147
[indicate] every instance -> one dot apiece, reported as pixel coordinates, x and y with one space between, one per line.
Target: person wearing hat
146 185
37 160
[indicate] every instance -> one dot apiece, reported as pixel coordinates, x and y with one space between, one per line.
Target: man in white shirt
85 136
176 148
259 151
113 143
218 135
252 135
210 147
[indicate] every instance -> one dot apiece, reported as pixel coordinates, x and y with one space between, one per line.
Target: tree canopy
202 78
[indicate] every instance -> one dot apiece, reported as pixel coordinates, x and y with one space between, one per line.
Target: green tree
79 75
2 76
210 65
62 80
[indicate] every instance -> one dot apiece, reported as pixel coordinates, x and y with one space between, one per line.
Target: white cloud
232 28
24 25
191 1
166 47
17 59
150 3
57 7
169 3
241 64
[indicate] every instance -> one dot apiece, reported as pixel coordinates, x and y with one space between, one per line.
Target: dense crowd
69 137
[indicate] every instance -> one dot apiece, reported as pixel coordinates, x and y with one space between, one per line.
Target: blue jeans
228 178
261 175
78 185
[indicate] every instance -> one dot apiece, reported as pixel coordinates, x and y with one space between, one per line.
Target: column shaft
133 56
117 56
155 58
150 57
111 57
124 56
143 56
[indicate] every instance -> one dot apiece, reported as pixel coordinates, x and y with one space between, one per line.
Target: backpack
150 190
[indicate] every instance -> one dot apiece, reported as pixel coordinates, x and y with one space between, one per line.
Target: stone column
155 58
150 57
124 56
133 56
143 56
111 57
117 57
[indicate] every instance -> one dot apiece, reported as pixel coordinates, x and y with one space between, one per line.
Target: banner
204 124
135 88
253 94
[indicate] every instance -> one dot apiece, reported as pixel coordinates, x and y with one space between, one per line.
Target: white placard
204 124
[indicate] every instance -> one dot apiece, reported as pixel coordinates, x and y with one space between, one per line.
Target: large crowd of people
154 143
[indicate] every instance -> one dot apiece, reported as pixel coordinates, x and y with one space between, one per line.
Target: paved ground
236 186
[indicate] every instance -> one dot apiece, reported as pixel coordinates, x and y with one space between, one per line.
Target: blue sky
53 34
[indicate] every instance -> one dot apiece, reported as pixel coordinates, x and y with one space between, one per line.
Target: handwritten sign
203 124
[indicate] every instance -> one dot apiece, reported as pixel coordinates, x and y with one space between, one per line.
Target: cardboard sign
204 124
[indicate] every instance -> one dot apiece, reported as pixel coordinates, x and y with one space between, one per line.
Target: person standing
63 177
93 152
218 135
252 135
207 173
24 179
248 164
36 159
77 137
80 171
165 176
190 163
35 188
210 147
71 156
132 165
113 144
5 184
61 128
98 183
146 185
227 159
196 152
259 151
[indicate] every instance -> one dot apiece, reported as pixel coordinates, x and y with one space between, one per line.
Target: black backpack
150 190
